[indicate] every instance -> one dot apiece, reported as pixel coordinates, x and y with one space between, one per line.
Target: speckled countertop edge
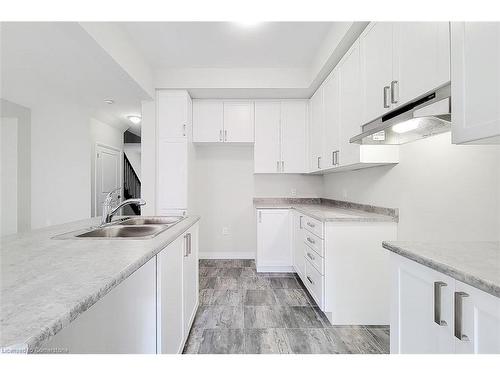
453 271
34 342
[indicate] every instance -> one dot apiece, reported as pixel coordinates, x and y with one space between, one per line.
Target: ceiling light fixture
109 101
136 120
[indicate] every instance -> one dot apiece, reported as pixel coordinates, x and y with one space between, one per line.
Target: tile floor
245 312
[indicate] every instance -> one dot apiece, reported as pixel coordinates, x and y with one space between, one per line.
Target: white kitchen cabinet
421 310
123 321
170 314
434 313
190 277
208 120
172 174
239 121
174 114
298 245
280 136
479 326
401 62
332 120
316 130
274 252
421 59
376 45
267 153
475 82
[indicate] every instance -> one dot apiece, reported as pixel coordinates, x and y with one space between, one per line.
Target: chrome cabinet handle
225 135
337 153
220 135
183 130
319 159
438 285
394 92
311 224
309 279
282 166
387 90
310 256
300 221
189 243
186 246
310 240
277 166
333 157
459 296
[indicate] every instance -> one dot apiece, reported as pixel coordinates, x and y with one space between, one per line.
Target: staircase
131 184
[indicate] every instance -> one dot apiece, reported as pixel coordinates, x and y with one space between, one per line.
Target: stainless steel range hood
419 119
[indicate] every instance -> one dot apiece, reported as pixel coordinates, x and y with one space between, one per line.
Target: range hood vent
422 118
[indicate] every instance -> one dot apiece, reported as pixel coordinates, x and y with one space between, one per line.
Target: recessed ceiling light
109 101
136 120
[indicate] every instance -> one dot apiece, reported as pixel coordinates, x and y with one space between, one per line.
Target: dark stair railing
131 184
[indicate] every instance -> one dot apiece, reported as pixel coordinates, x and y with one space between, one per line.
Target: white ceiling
228 44
62 59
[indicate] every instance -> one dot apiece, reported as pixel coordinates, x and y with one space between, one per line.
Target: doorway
107 173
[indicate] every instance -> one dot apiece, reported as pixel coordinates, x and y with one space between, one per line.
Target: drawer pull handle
310 256
310 240
311 224
438 285
459 296
310 280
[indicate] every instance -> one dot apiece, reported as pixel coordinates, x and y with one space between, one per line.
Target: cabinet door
190 277
421 59
208 120
475 81
274 253
239 121
170 321
477 321
316 130
350 117
172 114
298 245
267 137
376 46
332 120
417 302
172 174
294 136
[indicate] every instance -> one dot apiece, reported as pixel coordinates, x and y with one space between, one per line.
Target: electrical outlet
293 192
225 231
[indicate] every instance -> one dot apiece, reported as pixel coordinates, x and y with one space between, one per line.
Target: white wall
225 188
106 135
60 162
443 191
8 175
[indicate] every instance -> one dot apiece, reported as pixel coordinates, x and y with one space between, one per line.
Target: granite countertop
326 210
46 283
474 263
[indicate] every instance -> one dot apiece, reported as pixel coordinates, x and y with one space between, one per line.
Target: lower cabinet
122 322
177 291
434 313
274 245
299 262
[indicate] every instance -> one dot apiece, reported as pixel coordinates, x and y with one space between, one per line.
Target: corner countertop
474 263
46 283
326 210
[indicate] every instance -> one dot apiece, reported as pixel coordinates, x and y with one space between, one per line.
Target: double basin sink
139 228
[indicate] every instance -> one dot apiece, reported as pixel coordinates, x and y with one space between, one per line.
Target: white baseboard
286 269
227 255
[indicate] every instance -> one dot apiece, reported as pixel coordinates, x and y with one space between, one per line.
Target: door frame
98 146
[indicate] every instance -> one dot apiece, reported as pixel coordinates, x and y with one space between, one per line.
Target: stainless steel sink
123 231
152 220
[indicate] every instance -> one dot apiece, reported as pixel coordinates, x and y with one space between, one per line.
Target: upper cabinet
401 62
223 121
280 136
475 82
174 114
331 102
316 130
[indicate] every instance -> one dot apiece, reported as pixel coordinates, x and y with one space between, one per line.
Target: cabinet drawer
313 241
313 226
313 280
314 258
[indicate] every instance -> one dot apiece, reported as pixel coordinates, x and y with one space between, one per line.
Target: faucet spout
109 212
